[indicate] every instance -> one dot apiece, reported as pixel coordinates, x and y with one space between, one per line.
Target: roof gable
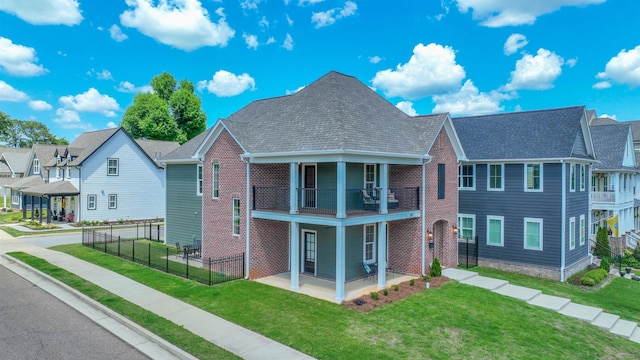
614 146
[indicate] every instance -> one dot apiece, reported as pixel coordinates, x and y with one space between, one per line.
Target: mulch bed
365 303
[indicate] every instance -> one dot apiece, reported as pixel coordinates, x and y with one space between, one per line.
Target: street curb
33 274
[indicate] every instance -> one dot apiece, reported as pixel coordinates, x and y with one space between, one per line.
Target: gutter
564 220
423 202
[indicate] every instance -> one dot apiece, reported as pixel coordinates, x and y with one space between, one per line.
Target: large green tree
4 123
18 133
169 113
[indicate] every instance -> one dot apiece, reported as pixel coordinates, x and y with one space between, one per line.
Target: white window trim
502 179
533 220
115 202
494 217
473 226
583 177
473 177
573 180
375 176
215 180
68 172
117 167
583 230
234 217
364 243
199 179
572 231
95 202
526 188
36 167
58 172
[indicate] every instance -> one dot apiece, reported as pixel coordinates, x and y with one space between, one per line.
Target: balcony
324 201
611 197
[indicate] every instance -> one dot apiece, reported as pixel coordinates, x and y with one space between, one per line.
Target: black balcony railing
324 201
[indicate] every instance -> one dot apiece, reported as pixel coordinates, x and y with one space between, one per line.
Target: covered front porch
326 289
59 197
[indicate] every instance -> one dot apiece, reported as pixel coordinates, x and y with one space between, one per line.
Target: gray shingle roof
57 188
87 143
541 134
609 142
186 150
336 113
17 159
156 149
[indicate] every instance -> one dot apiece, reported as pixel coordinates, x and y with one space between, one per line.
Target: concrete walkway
590 314
236 339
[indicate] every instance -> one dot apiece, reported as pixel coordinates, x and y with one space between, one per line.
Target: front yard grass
619 297
452 321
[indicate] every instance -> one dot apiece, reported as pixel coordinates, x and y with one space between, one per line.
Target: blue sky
76 65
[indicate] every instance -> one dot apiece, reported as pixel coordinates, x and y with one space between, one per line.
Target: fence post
137 231
111 234
467 253
133 251
209 271
187 257
93 239
149 255
150 232
105 245
118 245
158 234
167 265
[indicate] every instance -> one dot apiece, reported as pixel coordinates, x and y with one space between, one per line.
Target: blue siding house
524 191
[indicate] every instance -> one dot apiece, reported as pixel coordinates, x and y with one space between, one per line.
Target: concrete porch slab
624 328
458 274
517 292
605 320
582 312
549 302
485 282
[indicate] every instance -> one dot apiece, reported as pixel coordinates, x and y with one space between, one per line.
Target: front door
310 247
309 185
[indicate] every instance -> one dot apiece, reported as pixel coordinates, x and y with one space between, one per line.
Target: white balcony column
294 254
382 255
384 185
293 188
616 187
341 193
340 267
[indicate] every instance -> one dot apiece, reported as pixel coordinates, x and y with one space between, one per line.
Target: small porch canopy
18 184
48 190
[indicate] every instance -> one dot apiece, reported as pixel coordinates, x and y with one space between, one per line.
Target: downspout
423 202
564 211
245 159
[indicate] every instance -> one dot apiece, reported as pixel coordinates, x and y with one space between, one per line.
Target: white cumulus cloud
375 59
117 34
407 107
112 125
127 87
70 119
39 105
468 100
19 60
536 72
225 84
91 101
8 93
44 12
289 20
602 85
289 92
251 40
326 18
249 4
623 68
308 2
432 69
183 24
498 13
514 43
288 42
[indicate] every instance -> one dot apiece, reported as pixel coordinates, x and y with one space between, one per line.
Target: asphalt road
36 325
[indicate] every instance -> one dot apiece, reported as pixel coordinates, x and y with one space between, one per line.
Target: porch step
550 302
624 328
485 282
517 292
581 312
605 321
458 274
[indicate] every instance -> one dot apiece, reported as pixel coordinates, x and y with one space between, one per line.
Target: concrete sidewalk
236 339
590 314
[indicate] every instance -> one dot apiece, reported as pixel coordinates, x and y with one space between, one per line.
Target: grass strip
17 233
166 329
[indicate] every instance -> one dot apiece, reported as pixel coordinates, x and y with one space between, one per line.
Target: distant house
14 164
184 187
328 182
34 174
524 190
103 175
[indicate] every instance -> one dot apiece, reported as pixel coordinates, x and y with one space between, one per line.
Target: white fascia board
532 160
335 156
331 221
454 139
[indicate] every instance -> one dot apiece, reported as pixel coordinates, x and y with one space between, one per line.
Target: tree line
23 133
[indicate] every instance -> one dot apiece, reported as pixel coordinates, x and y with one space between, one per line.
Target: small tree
602 249
436 269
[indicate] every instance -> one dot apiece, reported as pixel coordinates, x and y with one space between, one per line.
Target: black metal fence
181 263
468 252
149 231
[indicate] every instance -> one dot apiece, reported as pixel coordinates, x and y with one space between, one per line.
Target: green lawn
15 216
452 321
17 233
620 297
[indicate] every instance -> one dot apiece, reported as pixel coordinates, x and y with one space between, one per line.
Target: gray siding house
524 191
183 222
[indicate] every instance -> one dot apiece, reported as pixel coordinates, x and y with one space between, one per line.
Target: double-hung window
466 226
495 230
199 180
572 233
68 172
369 244
532 234
215 180
583 235
583 177
112 167
466 177
36 166
91 202
496 177
236 216
533 176
113 201
370 179
572 177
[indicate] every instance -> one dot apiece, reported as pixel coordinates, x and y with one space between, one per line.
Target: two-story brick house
327 180
524 191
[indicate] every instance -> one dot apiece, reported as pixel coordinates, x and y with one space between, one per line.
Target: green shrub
587 281
375 295
396 287
436 268
602 249
385 292
412 282
426 278
605 264
636 253
596 275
